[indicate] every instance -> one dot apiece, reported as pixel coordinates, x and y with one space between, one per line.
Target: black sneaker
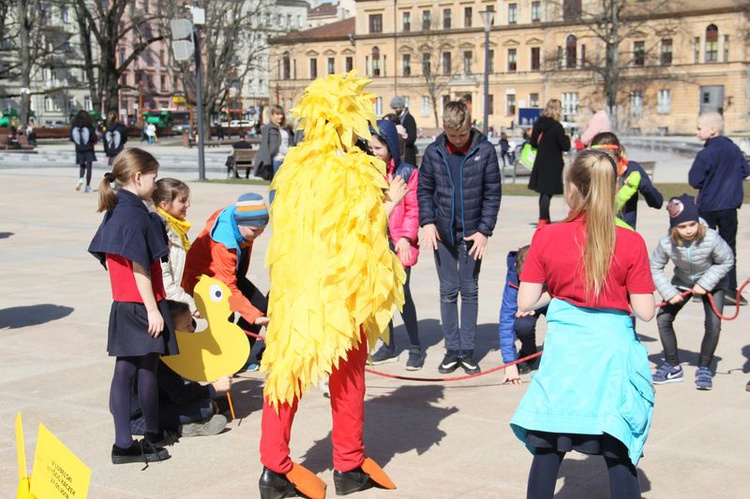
449 363
470 367
211 426
384 355
140 452
415 361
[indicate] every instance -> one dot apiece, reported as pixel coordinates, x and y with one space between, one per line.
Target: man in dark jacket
459 199
398 104
718 172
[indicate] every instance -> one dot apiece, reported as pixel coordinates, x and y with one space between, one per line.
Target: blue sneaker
668 374
703 379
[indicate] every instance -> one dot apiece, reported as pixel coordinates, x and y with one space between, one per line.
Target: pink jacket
598 123
404 219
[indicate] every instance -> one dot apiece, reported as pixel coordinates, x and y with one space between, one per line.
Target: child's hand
480 243
396 190
676 299
223 384
511 375
521 313
403 250
261 321
430 237
697 290
155 322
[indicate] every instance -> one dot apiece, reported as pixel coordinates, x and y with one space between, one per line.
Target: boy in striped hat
222 250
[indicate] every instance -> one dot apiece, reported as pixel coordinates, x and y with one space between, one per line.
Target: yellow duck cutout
220 349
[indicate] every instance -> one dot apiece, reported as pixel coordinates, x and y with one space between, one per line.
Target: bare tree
439 67
104 28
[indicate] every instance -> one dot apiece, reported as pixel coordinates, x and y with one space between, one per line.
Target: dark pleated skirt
128 331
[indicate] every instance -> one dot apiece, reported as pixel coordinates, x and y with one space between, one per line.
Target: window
512 60
406 64
492 61
446 18
286 67
726 48
446 59
664 101
87 103
536 58
468 13
639 53
467 62
696 49
570 51
490 104
512 13
313 68
571 9
281 20
64 14
376 23
666 52
426 64
510 104
569 105
349 63
425 106
406 21
426 20
636 103
378 106
163 83
375 61
533 100
712 43
289 20
536 12
122 55
331 65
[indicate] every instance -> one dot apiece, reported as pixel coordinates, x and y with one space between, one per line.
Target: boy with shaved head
718 172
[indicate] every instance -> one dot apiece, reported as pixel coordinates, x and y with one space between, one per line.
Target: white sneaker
79 184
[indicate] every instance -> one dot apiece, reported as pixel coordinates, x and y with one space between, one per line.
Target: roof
324 9
336 30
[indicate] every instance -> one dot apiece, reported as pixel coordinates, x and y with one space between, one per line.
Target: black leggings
409 315
129 370
623 478
85 168
544 202
258 300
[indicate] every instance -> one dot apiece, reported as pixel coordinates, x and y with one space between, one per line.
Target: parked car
55 124
241 123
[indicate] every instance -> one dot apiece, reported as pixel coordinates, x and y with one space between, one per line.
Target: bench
240 158
7 144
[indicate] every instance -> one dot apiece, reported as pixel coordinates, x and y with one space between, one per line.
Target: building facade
669 61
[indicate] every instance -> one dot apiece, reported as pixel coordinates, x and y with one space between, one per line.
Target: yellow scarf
181 227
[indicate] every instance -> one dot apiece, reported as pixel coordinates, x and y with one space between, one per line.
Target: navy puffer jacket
479 184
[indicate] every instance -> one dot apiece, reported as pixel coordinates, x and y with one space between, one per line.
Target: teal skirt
594 379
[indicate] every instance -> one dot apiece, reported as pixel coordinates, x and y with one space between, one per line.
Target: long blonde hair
592 176
553 109
129 162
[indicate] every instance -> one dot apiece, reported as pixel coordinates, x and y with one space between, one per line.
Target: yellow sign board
178 99
57 471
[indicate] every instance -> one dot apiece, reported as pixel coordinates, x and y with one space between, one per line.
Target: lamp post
487 18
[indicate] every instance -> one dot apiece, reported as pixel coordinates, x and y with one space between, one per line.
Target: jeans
665 319
409 316
458 272
726 220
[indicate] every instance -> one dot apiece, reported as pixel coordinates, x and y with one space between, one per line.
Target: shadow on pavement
247 396
6 235
398 422
578 475
32 315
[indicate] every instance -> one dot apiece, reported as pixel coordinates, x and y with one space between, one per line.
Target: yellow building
673 59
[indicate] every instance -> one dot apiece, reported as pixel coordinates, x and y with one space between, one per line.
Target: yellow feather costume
332 271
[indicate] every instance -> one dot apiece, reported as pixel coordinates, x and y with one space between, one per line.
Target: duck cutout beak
218 350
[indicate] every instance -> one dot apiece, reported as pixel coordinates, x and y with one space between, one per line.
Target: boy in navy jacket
718 172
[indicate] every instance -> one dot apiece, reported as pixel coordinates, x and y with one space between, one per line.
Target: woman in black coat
548 136
82 133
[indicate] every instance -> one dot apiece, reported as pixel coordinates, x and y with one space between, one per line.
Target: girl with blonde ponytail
593 390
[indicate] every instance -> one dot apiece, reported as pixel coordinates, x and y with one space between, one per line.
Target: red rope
713 303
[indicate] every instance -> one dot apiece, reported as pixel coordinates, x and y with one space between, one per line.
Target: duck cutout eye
215 293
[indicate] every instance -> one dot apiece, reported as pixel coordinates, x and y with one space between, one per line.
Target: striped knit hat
251 210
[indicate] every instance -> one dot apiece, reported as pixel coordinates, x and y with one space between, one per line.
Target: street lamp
487 18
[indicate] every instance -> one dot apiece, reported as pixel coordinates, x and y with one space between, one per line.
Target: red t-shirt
556 258
123 281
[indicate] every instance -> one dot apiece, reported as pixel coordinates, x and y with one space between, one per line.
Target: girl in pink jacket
403 226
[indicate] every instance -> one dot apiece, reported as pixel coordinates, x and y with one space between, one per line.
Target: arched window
286 66
571 52
712 43
375 61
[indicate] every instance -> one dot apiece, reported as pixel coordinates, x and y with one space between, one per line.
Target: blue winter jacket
479 185
508 310
718 172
